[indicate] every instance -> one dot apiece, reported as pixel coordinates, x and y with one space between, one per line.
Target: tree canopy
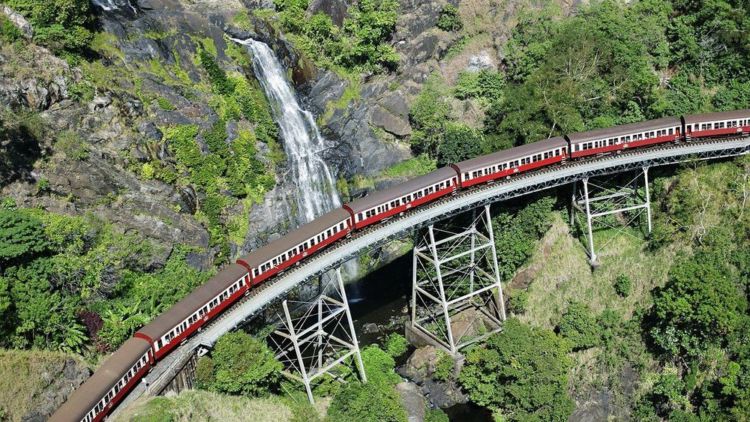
521 373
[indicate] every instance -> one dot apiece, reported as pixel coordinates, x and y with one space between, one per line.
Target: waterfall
112 5
316 191
315 187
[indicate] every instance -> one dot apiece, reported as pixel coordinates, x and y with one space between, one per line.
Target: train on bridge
96 398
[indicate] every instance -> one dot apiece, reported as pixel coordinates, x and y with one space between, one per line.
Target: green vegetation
57 270
516 234
443 367
610 63
62 25
579 326
623 285
376 401
360 45
240 364
396 345
449 19
460 142
521 374
8 31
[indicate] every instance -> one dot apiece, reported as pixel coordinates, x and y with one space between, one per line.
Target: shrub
8 31
244 365
165 105
443 367
62 25
396 345
371 402
219 81
580 327
449 19
204 373
21 235
436 415
518 302
72 145
623 285
375 401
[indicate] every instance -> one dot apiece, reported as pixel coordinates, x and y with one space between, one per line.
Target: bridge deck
520 185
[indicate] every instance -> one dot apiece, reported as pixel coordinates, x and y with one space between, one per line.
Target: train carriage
717 124
511 161
297 244
388 202
189 314
618 138
93 400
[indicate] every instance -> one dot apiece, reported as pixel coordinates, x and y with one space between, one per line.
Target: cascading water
303 144
112 5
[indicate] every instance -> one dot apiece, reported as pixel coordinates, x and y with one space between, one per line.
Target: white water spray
112 5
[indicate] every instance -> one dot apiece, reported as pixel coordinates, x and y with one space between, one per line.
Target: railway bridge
333 257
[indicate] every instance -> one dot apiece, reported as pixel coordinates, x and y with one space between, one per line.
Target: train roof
295 237
512 153
595 134
85 397
386 195
192 302
722 115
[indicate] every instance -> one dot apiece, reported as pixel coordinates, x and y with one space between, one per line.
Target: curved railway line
533 181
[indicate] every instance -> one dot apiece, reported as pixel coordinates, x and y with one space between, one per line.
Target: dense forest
78 284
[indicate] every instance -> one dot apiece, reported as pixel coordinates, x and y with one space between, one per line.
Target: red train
121 371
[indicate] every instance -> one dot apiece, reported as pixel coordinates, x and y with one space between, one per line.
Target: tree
699 307
21 235
521 372
580 327
244 365
460 142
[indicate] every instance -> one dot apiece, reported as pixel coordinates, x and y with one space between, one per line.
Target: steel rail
381 233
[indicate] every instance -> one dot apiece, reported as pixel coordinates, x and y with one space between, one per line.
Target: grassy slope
198 405
559 271
25 374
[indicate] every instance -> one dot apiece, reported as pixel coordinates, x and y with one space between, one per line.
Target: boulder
18 20
412 400
390 122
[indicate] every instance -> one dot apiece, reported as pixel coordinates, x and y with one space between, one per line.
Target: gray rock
389 122
412 400
336 9
19 21
480 61
150 131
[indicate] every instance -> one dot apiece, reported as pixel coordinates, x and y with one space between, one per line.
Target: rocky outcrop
59 379
19 21
420 368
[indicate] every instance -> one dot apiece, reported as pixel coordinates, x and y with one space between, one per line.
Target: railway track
259 297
